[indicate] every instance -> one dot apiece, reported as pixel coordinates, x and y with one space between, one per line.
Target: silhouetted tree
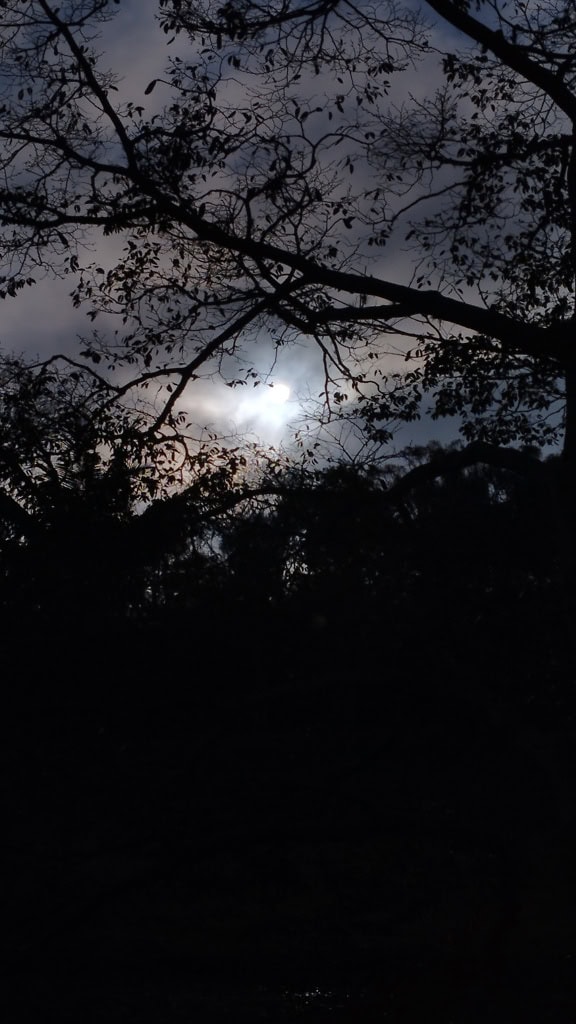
77 477
243 220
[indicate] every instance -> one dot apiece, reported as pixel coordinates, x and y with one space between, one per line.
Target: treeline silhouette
468 568
309 741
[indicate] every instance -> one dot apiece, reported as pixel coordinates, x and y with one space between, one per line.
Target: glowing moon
266 409
278 394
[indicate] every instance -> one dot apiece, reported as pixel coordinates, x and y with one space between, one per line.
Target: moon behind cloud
266 409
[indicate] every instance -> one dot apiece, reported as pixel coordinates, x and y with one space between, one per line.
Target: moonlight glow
266 408
278 394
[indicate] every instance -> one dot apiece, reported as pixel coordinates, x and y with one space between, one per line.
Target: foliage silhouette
238 224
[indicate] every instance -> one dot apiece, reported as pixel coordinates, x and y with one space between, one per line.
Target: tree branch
512 56
529 338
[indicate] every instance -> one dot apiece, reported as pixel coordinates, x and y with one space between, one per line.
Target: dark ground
209 832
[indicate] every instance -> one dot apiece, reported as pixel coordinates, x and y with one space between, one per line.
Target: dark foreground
284 831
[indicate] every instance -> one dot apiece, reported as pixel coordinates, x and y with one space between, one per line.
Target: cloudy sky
42 320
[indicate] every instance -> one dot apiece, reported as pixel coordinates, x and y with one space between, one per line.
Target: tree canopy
287 179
